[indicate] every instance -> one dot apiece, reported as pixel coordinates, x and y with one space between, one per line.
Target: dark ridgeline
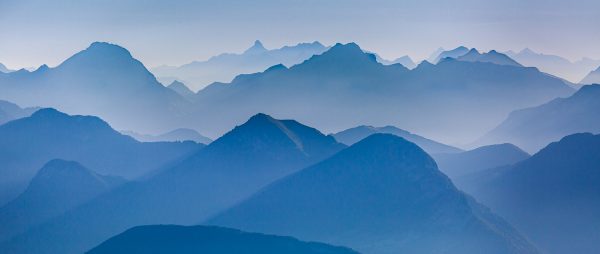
57 187
534 128
457 165
168 239
224 173
381 195
453 101
552 197
28 143
353 135
103 80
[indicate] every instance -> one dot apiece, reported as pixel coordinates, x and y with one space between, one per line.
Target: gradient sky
177 32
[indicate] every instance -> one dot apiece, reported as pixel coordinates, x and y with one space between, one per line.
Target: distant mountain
405 61
455 53
346 87
103 80
224 67
552 197
57 187
10 111
181 134
534 128
28 143
230 169
181 89
381 195
353 135
490 57
592 78
555 65
4 69
456 165
167 239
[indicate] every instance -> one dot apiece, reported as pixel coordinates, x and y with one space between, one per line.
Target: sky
36 32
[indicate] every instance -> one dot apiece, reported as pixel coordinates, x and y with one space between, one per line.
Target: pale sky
176 32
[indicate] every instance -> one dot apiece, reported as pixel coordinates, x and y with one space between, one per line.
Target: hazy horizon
160 33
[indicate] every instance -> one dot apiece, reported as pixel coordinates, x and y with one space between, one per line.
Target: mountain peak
48 113
256 48
107 48
348 55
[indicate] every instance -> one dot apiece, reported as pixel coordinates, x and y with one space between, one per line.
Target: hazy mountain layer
555 65
381 195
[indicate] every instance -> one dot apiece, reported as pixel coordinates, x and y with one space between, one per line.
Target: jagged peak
257 47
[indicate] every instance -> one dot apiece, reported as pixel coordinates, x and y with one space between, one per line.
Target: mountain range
103 80
181 134
181 89
555 65
26 144
4 69
533 128
57 187
167 239
592 78
227 171
552 197
346 87
353 135
224 67
380 195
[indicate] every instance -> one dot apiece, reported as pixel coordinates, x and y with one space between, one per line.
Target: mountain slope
455 53
181 89
592 78
346 87
555 65
166 239
10 111
57 187
28 143
381 195
456 165
181 134
224 67
552 197
228 170
534 128
353 135
102 80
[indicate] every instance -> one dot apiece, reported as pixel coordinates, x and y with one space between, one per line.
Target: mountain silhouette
455 53
181 89
469 162
57 187
345 86
353 135
533 128
405 61
103 80
181 134
490 57
552 197
166 239
10 111
4 69
555 65
227 171
28 143
381 195
592 78
224 67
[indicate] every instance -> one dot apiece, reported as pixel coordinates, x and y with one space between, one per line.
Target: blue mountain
552 197
380 195
166 239
181 89
533 128
454 53
180 134
228 170
103 80
224 67
456 165
592 78
490 57
555 65
57 187
356 134
28 143
10 111
345 86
